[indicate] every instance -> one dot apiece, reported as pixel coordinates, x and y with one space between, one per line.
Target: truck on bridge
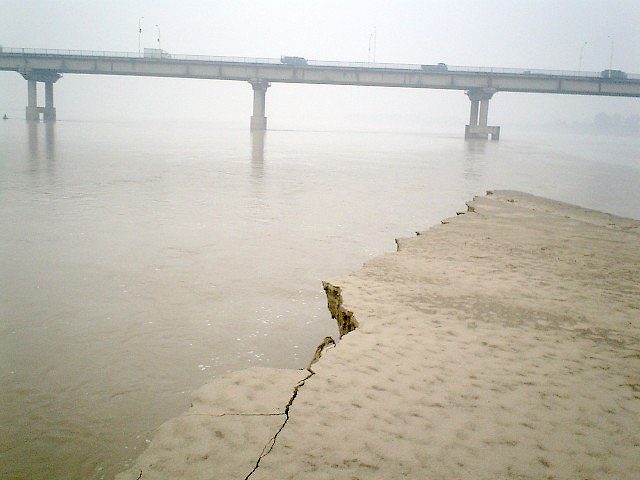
440 67
293 60
155 53
614 74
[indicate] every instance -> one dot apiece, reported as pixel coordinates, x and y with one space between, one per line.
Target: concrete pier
32 101
49 113
33 110
473 119
258 119
478 121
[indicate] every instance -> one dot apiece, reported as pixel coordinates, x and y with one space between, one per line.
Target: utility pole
158 37
375 41
139 32
581 52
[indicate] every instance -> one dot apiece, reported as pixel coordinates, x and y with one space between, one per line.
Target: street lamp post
139 32
158 37
610 37
375 41
581 52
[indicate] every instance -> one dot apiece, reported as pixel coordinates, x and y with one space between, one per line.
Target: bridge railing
113 54
78 53
209 58
313 63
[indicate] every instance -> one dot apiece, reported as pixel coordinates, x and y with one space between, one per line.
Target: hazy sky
526 33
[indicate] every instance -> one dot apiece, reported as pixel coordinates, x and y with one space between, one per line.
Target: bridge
479 83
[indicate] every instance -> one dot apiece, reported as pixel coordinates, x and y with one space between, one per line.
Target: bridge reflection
34 135
257 153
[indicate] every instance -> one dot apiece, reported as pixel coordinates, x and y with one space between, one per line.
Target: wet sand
503 343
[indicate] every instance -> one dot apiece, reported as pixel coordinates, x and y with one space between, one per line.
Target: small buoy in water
4 117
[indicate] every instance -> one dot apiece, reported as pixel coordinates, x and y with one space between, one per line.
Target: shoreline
502 343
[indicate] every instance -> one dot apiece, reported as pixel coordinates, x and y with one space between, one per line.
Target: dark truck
440 67
614 74
293 60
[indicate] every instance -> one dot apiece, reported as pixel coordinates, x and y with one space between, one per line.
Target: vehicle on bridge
440 67
155 53
614 74
293 60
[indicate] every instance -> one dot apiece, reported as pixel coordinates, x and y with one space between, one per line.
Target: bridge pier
478 119
33 111
49 113
258 119
32 101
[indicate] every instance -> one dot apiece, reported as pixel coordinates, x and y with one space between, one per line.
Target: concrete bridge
479 83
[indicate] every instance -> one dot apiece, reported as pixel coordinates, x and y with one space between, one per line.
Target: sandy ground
503 343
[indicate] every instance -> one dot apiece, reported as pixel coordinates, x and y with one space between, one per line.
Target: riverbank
502 343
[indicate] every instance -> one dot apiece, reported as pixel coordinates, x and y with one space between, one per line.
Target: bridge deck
318 72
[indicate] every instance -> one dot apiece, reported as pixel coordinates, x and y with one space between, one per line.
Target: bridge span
479 83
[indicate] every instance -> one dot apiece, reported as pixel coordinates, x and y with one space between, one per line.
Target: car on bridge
293 60
440 67
613 74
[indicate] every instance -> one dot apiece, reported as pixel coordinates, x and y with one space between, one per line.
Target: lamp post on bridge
373 37
139 32
610 37
158 27
375 42
581 52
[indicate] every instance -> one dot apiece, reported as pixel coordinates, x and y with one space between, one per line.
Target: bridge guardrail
316 63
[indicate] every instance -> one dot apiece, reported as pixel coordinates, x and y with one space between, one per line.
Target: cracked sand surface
222 435
504 343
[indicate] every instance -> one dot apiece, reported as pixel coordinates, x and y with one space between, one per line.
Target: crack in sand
271 443
234 414
326 343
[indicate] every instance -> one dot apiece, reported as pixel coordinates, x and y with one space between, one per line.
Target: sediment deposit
503 343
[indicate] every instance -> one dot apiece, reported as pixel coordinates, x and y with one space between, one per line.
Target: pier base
32 114
49 115
476 131
258 123
478 118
